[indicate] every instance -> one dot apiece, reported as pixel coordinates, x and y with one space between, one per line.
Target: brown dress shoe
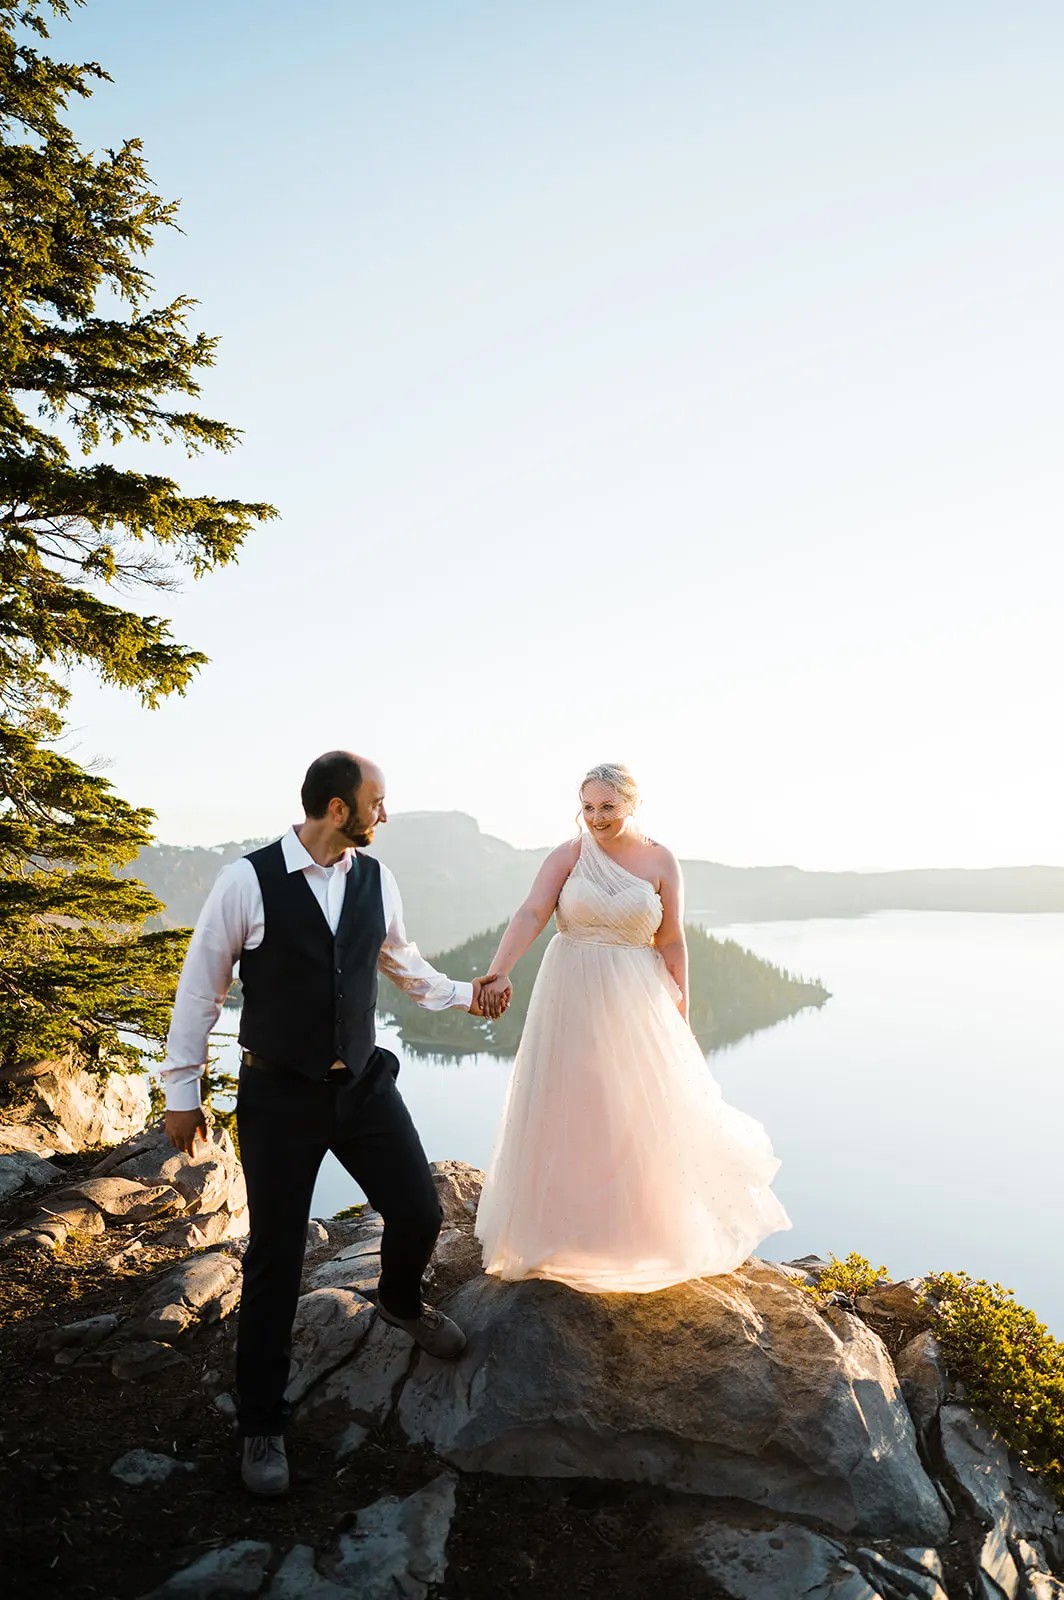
434 1332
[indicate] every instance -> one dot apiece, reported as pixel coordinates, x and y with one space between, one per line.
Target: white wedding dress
618 1164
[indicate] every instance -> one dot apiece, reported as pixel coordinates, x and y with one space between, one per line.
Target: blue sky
673 384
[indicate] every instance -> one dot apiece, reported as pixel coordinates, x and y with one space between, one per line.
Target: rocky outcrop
732 1386
211 1185
395 1550
144 1179
778 1449
770 1561
233 1569
1024 1523
67 1110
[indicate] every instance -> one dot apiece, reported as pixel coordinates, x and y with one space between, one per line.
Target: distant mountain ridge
457 881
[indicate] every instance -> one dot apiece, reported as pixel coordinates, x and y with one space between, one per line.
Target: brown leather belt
248 1058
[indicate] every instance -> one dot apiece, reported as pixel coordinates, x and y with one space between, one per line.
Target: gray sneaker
264 1467
432 1331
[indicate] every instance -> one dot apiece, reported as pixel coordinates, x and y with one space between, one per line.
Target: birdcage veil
617 777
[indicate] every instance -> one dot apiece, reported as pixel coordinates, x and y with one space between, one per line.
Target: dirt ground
67 1528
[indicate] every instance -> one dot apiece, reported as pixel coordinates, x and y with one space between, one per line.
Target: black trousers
286 1123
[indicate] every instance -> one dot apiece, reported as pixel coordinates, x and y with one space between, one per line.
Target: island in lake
734 993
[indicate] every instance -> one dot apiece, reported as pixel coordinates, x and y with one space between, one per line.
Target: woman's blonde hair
617 776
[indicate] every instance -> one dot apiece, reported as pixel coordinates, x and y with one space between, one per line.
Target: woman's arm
670 940
529 921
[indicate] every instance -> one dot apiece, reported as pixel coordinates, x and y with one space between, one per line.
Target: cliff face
58 1108
723 1438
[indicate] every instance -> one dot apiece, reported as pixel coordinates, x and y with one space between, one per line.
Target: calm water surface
918 1114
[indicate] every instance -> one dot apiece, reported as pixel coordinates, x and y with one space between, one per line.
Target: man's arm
402 961
224 927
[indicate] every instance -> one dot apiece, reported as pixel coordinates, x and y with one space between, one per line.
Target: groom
311 921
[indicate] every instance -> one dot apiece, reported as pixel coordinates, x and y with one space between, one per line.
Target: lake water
918 1114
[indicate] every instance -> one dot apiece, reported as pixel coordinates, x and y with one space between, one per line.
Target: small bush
1011 1366
851 1277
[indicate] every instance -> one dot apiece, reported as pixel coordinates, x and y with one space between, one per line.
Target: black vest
310 996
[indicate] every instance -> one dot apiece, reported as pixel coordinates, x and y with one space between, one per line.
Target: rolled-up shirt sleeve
403 963
225 925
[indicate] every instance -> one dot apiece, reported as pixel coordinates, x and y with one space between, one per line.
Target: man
311 922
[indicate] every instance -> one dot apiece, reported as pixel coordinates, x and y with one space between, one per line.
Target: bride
618 1164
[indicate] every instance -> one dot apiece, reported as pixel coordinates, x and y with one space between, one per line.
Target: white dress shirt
233 920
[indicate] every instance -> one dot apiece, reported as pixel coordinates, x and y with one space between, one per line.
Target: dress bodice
603 903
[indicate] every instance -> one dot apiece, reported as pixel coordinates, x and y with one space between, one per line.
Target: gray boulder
998 1573
200 1290
25 1169
728 1386
396 1551
30 1138
213 1181
915 1582
922 1376
361 1393
458 1186
76 1216
356 1270
456 1258
1041 1584
357 1266
235 1569
140 1469
66 1344
806 1269
206 1228
994 1484
122 1200
297 1578
54 1224
330 1324
750 1563
82 1109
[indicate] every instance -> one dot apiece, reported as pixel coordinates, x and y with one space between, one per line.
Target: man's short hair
333 776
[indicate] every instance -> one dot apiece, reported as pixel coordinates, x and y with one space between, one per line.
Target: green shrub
1011 1366
851 1277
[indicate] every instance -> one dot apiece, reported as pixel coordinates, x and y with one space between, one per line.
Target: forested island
734 993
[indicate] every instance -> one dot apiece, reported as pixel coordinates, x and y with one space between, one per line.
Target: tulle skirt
618 1164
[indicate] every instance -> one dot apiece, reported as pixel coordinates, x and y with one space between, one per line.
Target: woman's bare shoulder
663 856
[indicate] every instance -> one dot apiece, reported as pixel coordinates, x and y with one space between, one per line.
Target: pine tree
87 363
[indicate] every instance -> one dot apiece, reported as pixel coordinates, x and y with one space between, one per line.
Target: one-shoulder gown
618 1164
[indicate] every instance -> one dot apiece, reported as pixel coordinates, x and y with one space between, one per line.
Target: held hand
495 995
183 1128
487 999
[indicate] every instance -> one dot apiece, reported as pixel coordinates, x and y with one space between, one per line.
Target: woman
618 1165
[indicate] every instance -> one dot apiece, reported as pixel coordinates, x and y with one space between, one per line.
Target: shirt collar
297 858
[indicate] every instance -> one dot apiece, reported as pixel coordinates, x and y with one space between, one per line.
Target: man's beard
357 835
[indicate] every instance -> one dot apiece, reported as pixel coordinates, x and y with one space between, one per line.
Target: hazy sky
677 384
